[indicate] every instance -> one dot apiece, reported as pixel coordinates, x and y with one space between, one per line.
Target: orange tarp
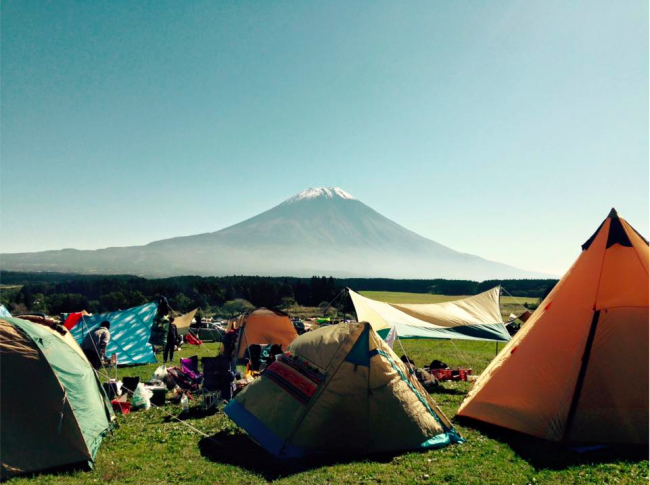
578 370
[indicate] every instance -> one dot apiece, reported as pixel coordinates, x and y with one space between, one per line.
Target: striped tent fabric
340 390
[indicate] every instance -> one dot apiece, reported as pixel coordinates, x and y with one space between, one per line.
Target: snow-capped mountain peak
325 192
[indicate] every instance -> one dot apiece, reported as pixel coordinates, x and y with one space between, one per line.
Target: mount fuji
320 231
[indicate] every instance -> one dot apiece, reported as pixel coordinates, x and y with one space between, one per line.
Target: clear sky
503 129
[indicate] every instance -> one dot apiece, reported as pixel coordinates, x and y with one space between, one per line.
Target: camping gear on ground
189 338
190 366
438 364
158 395
577 371
53 411
185 403
176 377
130 384
475 318
112 389
339 389
142 397
261 326
121 407
428 381
130 333
459 374
160 373
217 379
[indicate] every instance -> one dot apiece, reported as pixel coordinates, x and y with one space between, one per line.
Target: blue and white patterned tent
130 333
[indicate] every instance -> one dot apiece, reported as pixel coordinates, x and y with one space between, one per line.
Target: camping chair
177 377
217 380
190 367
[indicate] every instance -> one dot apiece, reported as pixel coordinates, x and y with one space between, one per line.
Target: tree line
55 293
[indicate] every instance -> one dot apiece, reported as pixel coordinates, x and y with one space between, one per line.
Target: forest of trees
55 293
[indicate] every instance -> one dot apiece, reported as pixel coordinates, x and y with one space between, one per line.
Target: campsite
270 405
368 242
165 445
149 444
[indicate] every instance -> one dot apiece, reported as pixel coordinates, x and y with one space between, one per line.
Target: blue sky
503 129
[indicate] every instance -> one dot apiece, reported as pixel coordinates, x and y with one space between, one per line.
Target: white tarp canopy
475 318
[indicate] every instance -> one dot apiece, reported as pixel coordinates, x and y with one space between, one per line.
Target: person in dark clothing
229 348
95 343
172 338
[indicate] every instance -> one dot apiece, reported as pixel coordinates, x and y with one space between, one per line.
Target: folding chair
217 380
190 368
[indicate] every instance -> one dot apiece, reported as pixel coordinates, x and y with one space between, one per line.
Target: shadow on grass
543 454
194 413
239 450
444 390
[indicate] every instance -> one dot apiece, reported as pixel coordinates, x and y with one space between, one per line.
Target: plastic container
185 403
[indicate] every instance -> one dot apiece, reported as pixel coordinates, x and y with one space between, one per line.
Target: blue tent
4 312
130 333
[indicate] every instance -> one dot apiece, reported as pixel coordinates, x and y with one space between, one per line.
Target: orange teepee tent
577 372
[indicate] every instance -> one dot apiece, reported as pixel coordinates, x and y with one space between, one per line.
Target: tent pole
332 302
581 376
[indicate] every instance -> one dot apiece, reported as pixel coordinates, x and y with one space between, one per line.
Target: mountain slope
319 231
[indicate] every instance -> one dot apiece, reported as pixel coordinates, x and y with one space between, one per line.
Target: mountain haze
319 231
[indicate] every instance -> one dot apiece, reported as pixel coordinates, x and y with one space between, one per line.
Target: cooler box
464 373
441 374
159 394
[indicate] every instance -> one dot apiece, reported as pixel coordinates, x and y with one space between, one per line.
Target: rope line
332 302
462 355
517 301
188 425
408 359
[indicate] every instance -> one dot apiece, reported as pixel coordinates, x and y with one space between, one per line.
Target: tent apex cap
613 213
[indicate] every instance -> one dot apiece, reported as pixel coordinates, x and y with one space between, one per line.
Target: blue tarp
4 312
130 333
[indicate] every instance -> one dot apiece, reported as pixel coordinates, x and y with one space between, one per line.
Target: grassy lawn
149 447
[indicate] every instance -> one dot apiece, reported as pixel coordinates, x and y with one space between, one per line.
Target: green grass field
149 447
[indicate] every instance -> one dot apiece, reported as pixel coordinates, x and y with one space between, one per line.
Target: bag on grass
160 373
142 397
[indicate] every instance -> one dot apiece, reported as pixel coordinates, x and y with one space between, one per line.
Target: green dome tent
340 389
53 411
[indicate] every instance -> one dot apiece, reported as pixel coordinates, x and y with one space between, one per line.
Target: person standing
172 339
95 343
